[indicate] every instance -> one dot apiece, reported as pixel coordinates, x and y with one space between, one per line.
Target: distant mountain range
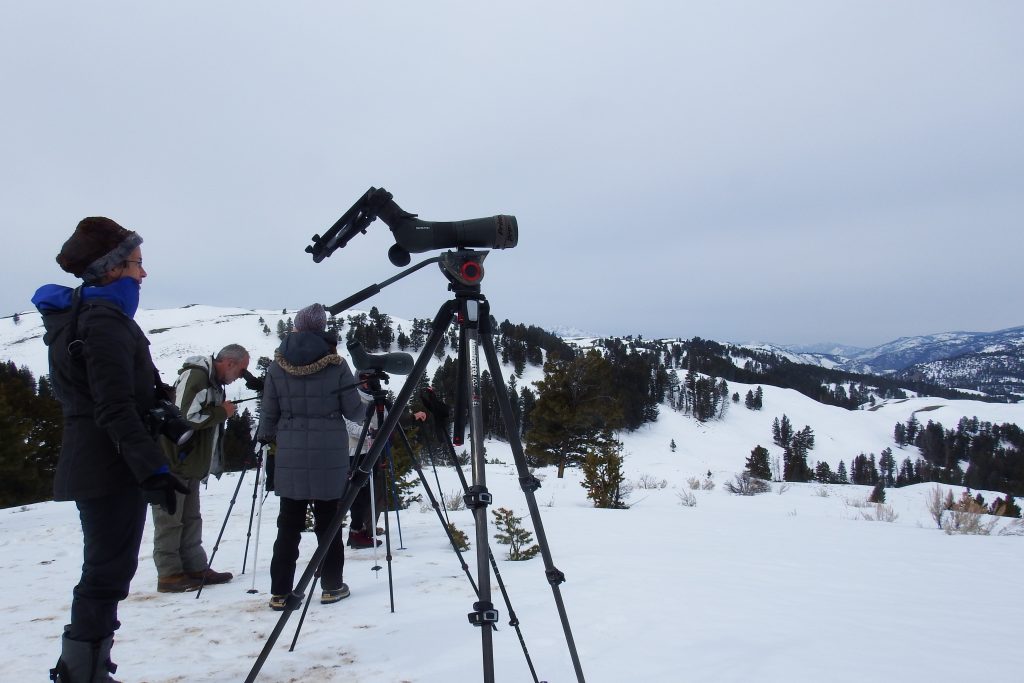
989 362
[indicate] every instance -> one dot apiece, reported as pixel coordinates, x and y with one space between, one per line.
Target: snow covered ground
794 585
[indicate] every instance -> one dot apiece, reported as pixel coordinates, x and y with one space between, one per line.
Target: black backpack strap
75 345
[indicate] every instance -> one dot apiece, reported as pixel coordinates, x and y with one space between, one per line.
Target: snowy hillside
795 585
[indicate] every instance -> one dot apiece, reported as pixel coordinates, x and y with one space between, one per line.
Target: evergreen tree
602 472
887 464
510 532
841 477
237 445
575 404
758 464
782 431
31 427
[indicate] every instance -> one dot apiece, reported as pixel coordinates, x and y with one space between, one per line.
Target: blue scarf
123 292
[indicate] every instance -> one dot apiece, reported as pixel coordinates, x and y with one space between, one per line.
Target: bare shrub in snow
822 492
693 483
880 513
453 500
708 484
746 485
966 516
1014 528
686 498
649 481
783 488
937 504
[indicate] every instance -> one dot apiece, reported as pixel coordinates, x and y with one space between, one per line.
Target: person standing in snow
307 394
110 463
181 562
362 532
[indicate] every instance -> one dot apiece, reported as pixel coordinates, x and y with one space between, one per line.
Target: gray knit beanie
312 318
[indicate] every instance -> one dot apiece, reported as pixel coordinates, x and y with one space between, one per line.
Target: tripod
471 310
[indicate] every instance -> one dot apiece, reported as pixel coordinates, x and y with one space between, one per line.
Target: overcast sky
792 171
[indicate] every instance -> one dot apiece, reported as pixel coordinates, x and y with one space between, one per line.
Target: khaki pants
178 538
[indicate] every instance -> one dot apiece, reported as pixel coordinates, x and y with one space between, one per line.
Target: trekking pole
259 523
387 546
252 510
216 544
373 522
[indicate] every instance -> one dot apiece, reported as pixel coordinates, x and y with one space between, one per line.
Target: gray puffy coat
308 393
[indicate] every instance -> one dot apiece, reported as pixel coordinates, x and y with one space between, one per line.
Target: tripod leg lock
529 483
477 497
555 576
484 615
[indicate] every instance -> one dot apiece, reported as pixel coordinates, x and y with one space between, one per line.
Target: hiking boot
177 583
82 661
277 602
357 539
334 595
212 577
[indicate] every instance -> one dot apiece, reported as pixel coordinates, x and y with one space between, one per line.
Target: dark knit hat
312 318
97 245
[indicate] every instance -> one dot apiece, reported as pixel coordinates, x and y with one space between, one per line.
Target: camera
165 419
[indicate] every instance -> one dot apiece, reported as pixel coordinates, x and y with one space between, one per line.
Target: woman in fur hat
110 463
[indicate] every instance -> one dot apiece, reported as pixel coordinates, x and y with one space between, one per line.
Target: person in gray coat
309 391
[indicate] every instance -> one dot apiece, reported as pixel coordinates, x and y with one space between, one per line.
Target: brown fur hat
97 245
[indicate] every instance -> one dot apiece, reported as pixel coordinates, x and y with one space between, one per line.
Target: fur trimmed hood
308 369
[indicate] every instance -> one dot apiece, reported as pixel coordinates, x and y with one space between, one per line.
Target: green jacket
200 397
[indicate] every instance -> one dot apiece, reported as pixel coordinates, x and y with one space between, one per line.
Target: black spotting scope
396 363
413 235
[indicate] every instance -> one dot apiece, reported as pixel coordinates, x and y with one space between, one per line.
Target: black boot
84 662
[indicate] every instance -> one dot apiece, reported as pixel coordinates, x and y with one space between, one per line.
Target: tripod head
412 234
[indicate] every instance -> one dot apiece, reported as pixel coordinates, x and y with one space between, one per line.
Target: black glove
162 489
270 471
252 382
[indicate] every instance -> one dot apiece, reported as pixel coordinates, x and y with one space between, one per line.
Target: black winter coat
105 395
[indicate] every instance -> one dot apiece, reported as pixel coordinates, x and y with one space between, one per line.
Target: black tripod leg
445 524
216 545
529 484
513 620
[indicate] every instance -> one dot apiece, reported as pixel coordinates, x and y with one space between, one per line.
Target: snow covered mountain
988 362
